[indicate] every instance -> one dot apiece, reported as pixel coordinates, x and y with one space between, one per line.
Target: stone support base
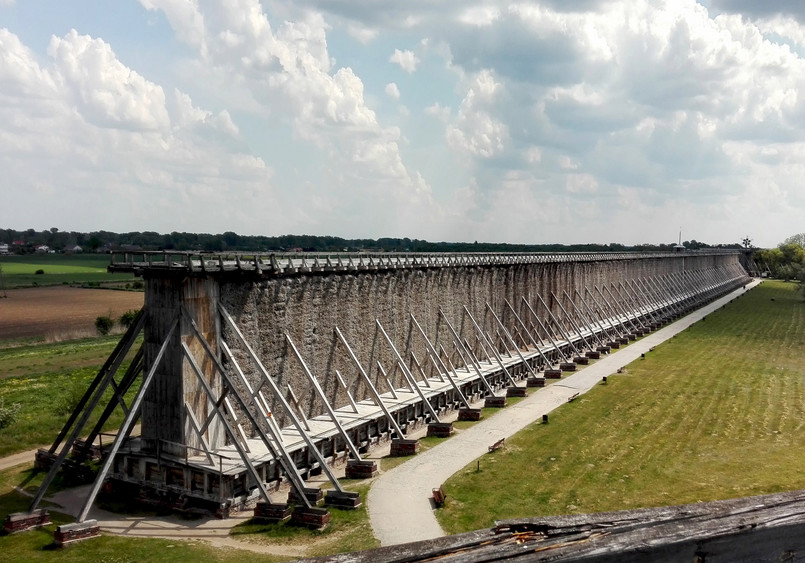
515 391
553 374
603 349
535 382
342 499
272 512
581 360
71 533
614 344
314 496
469 414
402 447
21 521
567 366
360 469
593 354
494 401
440 429
315 518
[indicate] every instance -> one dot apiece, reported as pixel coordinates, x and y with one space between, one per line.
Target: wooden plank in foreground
761 528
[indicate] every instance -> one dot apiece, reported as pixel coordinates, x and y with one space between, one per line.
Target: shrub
104 324
127 318
39 272
8 415
73 394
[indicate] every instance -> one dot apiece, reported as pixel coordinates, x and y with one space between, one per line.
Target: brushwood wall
310 307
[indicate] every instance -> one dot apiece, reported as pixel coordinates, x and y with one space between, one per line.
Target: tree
796 239
127 318
104 324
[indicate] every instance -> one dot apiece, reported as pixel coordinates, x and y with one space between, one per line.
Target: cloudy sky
457 120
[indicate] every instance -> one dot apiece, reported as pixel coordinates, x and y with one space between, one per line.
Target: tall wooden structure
257 370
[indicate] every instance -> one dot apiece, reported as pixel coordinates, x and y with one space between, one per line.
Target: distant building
679 248
42 249
3 248
75 249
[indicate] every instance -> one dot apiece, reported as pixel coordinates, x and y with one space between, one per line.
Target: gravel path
400 506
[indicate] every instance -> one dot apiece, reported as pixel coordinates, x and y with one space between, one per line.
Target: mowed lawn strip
716 412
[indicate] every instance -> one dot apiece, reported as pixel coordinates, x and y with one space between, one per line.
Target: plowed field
58 313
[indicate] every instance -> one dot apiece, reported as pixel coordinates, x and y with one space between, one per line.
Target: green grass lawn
59 269
716 412
47 381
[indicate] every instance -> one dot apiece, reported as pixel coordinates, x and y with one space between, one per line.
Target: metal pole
506 333
368 381
590 326
572 321
559 326
528 333
409 377
435 357
545 330
489 345
460 345
320 392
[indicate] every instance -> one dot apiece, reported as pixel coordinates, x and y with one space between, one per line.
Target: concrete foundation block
78 531
21 521
342 499
402 447
567 366
581 360
470 414
360 469
515 391
440 429
603 349
272 512
623 341
553 374
315 518
593 354
494 401
535 382
43 459
314 496
631 336
614 344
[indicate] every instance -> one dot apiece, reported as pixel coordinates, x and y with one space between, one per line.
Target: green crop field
716 412
20 271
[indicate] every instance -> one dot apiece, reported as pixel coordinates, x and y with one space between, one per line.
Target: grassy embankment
60 269
717 412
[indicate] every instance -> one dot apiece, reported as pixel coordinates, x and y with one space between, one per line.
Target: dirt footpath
60 312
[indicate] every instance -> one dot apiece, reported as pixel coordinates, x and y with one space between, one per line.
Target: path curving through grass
517 480
716 412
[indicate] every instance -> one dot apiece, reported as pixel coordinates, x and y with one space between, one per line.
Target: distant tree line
787 261
104 241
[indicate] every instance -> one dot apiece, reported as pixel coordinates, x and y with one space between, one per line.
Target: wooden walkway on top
281 264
